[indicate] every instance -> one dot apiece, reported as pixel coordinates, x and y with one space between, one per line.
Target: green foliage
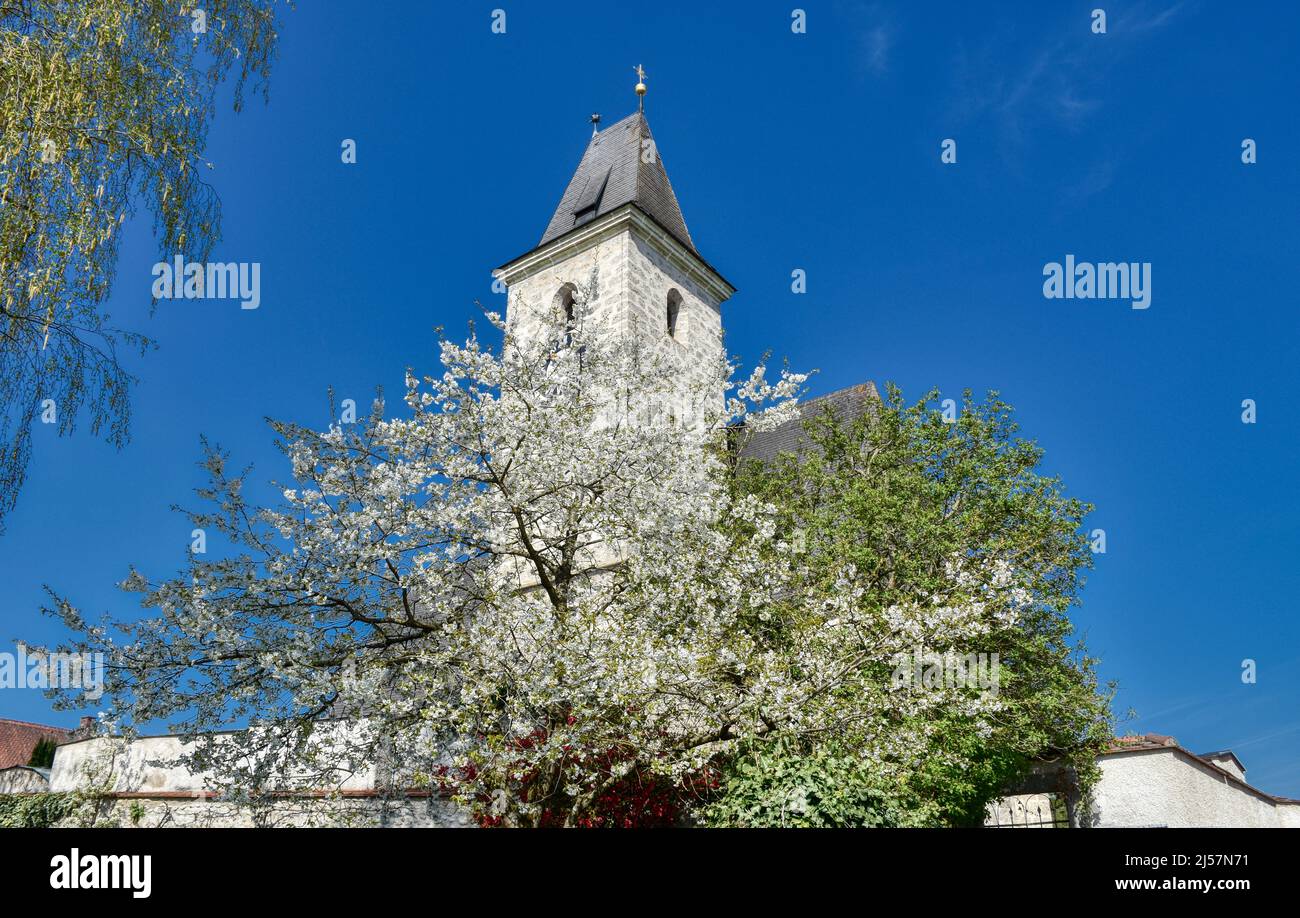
43 753
33 811
898 493
104 105
779 785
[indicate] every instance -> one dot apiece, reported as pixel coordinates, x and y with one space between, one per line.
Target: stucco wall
137 784
1163 788
144 765
22 780
167 812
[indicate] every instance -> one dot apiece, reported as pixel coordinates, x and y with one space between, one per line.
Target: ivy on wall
33 811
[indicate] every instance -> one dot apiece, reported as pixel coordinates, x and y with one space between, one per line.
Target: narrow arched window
564 302
674 309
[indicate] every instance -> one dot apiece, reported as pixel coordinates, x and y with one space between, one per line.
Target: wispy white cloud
873 30
1141 18
1273 734
1057 80
876 44
1096 180
1061 82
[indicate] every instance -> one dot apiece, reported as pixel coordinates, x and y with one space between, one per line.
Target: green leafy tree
897 496
43 753
788 784
104 108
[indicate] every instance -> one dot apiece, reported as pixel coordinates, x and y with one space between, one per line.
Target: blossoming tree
534 590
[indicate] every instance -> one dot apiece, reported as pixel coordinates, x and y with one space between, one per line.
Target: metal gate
1028 811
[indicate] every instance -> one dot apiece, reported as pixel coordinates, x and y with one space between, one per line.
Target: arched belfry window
564 300
674 309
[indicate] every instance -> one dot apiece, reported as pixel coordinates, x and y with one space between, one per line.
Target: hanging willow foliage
104 109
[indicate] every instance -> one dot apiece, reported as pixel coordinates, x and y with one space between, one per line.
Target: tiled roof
614 171
791 437
18 738
1139 742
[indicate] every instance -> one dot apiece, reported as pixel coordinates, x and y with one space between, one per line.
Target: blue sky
817 151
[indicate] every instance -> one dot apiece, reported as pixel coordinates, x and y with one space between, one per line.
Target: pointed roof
613 172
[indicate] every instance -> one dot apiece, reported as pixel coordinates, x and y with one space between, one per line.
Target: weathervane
640 87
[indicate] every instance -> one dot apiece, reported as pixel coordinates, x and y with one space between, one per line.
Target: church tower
619 218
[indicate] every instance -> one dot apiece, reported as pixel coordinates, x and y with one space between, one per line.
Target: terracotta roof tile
1142 741
19 737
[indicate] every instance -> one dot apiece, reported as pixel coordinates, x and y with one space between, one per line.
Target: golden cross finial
640 87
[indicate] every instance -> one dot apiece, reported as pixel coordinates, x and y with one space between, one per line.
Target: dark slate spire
614 172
